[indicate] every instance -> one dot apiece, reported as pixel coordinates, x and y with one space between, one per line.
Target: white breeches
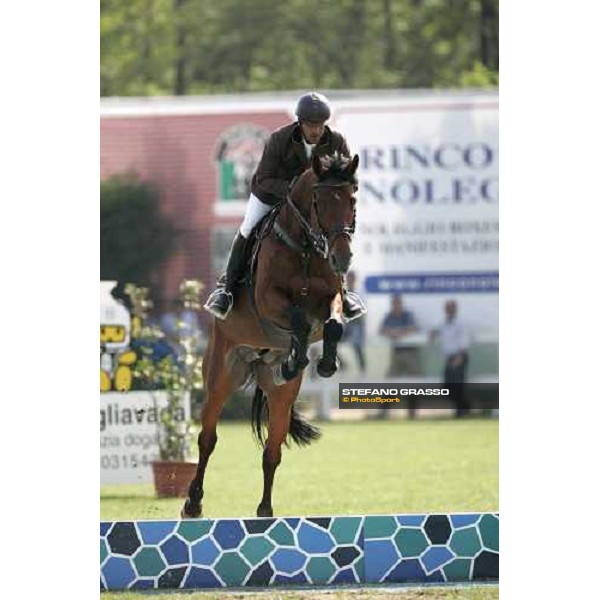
255 211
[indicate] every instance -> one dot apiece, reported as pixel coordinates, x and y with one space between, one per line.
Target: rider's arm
267 186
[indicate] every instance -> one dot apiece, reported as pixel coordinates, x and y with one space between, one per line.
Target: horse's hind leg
218 388
280 401
332 334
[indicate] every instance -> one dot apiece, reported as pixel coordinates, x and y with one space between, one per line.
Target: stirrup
353 307
219 303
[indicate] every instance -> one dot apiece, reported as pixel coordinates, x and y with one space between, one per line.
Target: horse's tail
259 403
301 431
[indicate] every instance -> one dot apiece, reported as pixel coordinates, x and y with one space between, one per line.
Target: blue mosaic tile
436 577
287 560
314 540
228 534
176 551
118 573
406 571
143 584
104 527
345 576
205 552
293 523
410 520
201 578
463 520
298 578
380 556
435 557
154 532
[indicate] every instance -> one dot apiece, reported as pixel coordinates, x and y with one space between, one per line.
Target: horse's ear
353 165
317 167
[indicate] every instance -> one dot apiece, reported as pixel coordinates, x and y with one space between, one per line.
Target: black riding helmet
313 107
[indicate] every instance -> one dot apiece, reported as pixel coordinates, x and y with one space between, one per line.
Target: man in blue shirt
404 361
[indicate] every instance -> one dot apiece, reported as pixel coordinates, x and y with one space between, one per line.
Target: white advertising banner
129 434
427 206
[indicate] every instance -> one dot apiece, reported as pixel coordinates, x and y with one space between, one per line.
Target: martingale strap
286 239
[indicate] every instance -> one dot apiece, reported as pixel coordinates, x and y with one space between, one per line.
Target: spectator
454 342
398 324
354 331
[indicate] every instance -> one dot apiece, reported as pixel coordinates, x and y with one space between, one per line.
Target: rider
286 155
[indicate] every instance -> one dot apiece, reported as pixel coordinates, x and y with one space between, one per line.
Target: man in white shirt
454 342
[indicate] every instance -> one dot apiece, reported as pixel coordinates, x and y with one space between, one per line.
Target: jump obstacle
224 553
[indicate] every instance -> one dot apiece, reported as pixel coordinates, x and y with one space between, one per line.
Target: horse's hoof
264 511
326 370
188 513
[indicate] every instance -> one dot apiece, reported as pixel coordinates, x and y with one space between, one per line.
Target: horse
291 297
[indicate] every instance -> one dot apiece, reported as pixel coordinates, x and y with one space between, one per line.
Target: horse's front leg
296 359
332 334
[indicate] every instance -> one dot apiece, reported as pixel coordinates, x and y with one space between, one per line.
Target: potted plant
175 376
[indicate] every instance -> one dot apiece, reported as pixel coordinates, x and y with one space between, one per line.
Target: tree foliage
135 237
201 46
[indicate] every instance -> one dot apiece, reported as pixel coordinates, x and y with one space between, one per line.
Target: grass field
365 467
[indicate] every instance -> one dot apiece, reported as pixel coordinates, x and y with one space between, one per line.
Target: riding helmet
313 107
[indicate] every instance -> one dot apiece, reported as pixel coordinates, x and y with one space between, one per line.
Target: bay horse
292 297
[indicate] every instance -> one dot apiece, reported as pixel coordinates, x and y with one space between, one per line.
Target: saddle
259 233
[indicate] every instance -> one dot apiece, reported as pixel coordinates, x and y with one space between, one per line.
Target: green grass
366 467
434 593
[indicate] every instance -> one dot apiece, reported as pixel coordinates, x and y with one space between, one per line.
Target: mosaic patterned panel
208 553
431 548
231 552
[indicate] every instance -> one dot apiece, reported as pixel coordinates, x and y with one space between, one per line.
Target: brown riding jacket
284 158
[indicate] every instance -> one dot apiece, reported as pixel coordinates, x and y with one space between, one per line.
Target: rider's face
312 130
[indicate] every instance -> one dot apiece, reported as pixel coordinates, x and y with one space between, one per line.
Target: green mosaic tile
320 569
359 567
282 535
465 542
103 551
194 530
232 569
148 562
380 527
489 529
344 529
458 570
255 549
410 542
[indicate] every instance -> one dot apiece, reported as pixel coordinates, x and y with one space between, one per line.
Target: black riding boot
220 302
353 306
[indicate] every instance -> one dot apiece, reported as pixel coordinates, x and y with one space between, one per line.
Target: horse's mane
335 166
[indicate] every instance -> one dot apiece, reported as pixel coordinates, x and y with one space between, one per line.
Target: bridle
320 240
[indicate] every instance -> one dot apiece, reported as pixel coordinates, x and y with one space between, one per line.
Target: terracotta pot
172 479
